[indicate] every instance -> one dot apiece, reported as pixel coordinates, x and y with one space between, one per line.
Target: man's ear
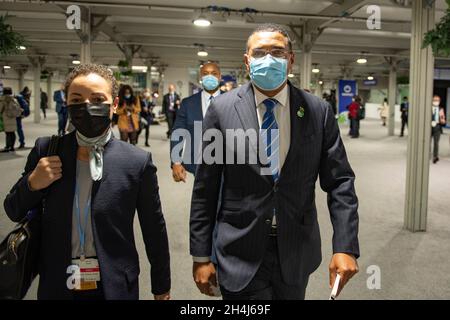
247 62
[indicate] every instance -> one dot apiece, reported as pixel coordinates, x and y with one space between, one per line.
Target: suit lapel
300 126
69 166
198 107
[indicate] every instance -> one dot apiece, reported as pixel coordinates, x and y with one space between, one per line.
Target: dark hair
271 27
122 90
385 99
85 69
7 90
405 98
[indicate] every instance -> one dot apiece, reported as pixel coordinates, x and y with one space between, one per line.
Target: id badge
89 269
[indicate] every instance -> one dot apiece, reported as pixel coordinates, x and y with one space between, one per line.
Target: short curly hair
85 69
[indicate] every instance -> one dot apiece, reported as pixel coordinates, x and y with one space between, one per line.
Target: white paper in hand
334 291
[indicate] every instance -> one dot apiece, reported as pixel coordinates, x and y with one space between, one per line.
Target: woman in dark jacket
89 193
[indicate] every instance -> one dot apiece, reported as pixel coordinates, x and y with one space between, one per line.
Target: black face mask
91 120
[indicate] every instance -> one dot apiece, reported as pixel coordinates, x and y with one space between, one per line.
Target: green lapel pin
301 112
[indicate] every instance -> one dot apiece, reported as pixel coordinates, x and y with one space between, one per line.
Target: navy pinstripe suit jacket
249 198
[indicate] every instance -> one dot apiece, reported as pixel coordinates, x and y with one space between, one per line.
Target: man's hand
47 171
164 296
178 172
345 265
205 276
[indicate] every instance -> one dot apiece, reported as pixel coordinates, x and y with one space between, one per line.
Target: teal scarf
97 146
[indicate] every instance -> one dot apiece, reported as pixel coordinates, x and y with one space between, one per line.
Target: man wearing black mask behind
92 190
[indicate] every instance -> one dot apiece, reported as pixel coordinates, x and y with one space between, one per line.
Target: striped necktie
270 136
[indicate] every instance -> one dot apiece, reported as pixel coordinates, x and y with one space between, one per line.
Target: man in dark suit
170 106
61 109
404 109
268 240
191 112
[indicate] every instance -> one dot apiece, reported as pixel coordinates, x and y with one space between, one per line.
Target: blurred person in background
384 111
44 103
354 116
170 106
438 121
146 113
128 111
404 109
9 111
26 95
61 109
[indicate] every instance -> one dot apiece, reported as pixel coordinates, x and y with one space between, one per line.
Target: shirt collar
207 95
282 96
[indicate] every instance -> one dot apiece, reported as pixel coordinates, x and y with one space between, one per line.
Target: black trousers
436 136
10 140
170 121
404 124
129 137
268 283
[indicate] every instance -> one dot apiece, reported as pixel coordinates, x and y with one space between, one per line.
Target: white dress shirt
282 115
206 100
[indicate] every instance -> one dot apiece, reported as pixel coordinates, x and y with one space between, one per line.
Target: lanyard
82 229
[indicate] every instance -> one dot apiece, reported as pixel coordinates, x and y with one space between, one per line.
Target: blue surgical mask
268 73
127 96
210 82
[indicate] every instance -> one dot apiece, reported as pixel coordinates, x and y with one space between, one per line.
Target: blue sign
347 89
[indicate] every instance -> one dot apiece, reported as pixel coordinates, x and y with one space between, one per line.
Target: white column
86 38
392 94
305 69
419 130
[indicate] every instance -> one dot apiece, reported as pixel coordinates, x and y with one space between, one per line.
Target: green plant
125 69
439 37
9 39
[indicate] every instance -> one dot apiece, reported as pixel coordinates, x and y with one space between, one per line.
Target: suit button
268 221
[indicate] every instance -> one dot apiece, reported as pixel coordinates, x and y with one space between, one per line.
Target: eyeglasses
277 53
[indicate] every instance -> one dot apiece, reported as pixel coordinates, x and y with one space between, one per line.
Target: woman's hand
47 171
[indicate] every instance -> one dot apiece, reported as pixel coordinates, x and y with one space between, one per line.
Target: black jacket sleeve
337 179
21 199
154 230
205 196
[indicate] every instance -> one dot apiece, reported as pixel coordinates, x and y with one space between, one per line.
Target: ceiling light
361 60
6 67
21 47
76 61
370 78
201 21
291 75
315 70
202 53
320 82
